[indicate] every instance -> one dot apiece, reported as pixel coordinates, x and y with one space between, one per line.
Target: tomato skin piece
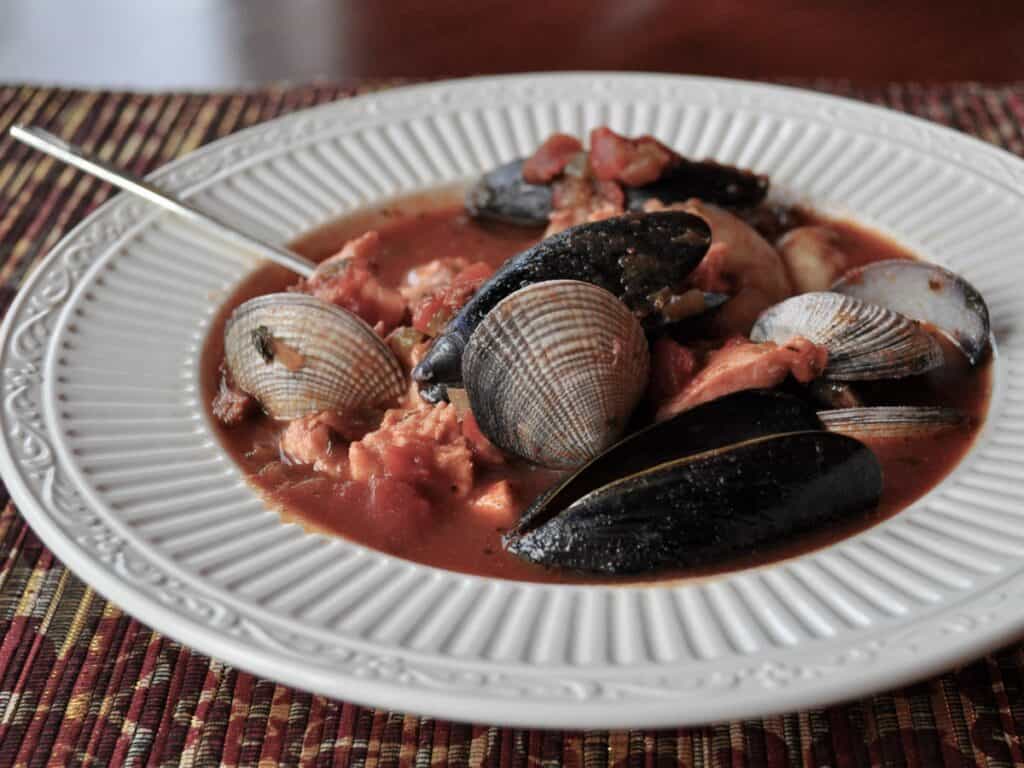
550 159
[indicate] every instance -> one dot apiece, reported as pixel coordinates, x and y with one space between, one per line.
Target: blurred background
209 44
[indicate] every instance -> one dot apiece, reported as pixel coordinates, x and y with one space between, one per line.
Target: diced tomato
433 312
474 274
349 280
633 162
611 193
423 280
550 158
571 193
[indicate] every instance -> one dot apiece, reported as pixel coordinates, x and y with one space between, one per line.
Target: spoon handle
72 155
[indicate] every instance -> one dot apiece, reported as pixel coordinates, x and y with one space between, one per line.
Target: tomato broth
418 230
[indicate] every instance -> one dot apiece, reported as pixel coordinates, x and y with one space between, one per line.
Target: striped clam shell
900 421
554 371
335 360
864 341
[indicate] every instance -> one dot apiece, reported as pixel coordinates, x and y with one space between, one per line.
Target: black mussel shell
502 195
731 419
711 507
434 393
712 182
632 256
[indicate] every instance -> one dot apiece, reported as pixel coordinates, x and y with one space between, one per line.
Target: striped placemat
83 683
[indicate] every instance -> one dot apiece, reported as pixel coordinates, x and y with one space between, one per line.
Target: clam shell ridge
554 371
899 421
864 341
344 364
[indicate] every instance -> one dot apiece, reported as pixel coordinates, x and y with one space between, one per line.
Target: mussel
864 341
731 419
927 293
633 256
710 506
725 478
299 355
554 371
502 194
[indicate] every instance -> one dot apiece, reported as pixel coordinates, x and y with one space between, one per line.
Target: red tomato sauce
449 535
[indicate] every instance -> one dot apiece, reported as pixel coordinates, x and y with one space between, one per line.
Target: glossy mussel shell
554 372
745 471
504 195
631 256
731 419
712 506
298 355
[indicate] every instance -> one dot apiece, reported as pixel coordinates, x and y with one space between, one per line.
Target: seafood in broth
607 362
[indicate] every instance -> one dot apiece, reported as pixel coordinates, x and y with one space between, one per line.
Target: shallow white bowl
108 453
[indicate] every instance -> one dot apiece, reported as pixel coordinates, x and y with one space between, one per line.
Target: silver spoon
56 147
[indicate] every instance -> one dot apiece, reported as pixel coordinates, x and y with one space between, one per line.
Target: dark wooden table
870 41
232 43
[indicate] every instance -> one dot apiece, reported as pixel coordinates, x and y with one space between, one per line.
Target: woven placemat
81 682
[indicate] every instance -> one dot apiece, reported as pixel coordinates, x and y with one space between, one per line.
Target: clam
892 421
864 341
927 293
632 256
298 355
707 507
502 194
554 371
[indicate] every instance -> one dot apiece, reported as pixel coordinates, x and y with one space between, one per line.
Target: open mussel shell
710 507
723 185
927 293
881 422
554 371
503 195
298 355
731 419
864 341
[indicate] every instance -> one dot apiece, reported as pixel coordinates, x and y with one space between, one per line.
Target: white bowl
108 452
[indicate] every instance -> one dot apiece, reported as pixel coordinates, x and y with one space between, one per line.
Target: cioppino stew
598 364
